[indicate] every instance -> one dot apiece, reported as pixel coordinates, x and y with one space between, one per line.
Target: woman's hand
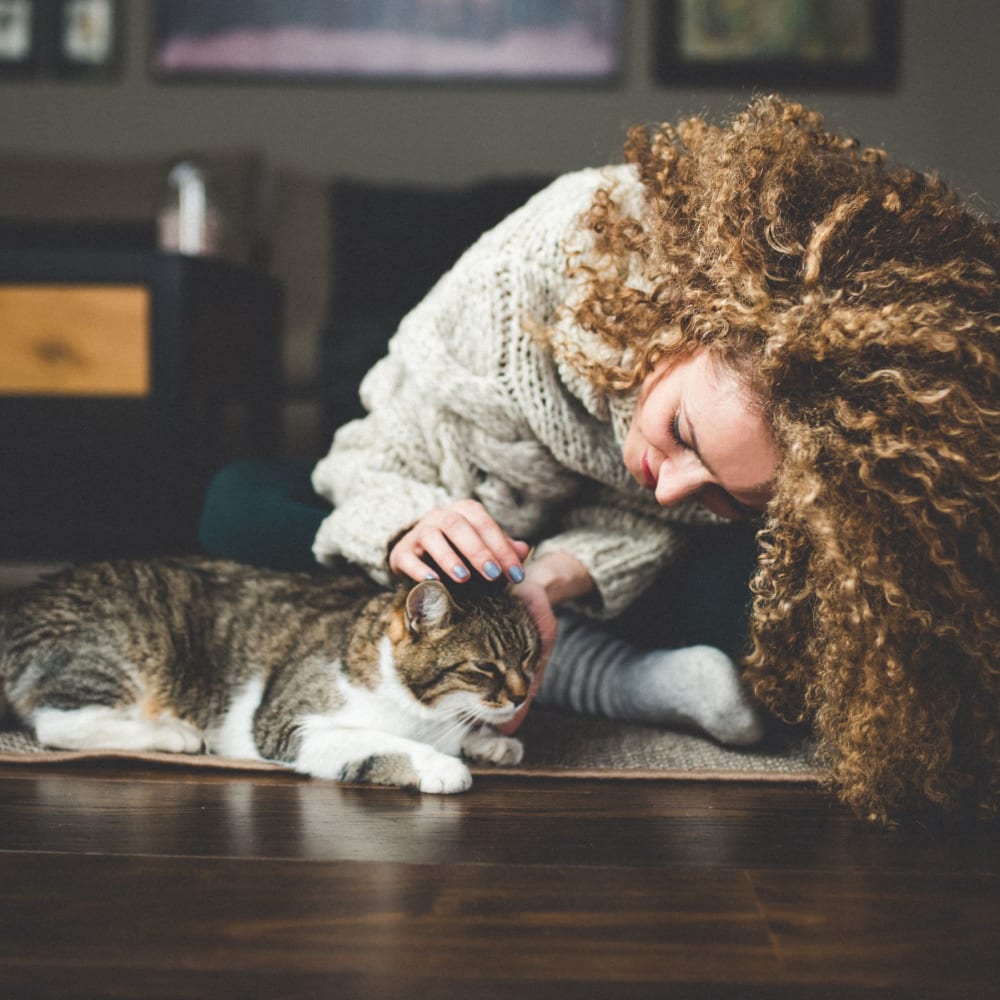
461 530
552 578
465 531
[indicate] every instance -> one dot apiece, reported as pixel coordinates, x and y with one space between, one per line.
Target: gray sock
592 672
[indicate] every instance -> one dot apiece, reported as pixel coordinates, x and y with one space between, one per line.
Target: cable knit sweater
467 403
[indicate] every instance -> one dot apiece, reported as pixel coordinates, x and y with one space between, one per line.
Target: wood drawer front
74 340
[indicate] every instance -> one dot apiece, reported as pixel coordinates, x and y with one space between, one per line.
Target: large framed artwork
778 43
429 40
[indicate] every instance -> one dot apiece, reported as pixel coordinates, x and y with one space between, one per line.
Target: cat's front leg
378 758
488 746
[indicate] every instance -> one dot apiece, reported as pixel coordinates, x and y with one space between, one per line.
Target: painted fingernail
460 572
492 570
516 574
430 576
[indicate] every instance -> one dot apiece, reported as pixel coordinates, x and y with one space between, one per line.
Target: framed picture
18 38
778 43
432 40
88 38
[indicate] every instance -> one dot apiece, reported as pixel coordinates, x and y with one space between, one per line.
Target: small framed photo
850 44
88 38
18 38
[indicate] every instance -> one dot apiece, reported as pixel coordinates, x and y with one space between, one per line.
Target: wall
941 116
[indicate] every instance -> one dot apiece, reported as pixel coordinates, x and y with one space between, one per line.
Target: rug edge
213 762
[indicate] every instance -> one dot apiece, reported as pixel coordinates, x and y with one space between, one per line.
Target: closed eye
490 669
675 432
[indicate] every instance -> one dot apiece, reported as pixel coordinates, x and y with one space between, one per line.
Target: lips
647 473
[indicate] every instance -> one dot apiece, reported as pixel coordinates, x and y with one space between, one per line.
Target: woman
761 321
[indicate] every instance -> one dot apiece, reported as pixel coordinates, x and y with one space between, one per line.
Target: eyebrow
760 489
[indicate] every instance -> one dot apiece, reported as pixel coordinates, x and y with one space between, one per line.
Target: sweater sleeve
379 474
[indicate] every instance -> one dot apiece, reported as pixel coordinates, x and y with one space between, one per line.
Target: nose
678 481
516 685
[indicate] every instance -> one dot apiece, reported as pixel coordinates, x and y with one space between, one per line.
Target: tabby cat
328 674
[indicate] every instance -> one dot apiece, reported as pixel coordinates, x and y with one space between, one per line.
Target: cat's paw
487 746
174 735
443 775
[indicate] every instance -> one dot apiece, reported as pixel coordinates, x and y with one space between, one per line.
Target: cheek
651 433
713 499
653 416
633 445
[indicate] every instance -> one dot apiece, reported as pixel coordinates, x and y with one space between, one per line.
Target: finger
491 550
411 565
540 609
450 531
439 552
409 555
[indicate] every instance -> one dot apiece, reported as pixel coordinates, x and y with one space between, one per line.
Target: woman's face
696 435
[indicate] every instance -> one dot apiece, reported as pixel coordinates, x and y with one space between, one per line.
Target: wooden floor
122 882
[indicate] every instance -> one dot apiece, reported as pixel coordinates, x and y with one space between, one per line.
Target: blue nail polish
430 576
492 570
460 572
516 574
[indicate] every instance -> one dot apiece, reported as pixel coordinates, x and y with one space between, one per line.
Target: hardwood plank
465 923
428 930
623 823
886 929
294 984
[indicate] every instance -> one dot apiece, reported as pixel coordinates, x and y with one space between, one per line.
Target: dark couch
389 245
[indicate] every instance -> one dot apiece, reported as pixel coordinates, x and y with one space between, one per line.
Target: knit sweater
468 404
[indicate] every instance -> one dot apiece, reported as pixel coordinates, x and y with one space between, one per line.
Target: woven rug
557 744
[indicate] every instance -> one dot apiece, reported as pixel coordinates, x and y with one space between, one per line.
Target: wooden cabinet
126 379
74 340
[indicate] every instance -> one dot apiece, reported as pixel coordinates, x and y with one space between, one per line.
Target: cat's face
473 653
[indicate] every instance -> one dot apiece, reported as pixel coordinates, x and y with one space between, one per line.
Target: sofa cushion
389 245
300 260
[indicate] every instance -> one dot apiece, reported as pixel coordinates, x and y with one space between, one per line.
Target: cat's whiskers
455 721
452 722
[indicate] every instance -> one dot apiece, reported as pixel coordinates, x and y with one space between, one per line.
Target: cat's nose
516 686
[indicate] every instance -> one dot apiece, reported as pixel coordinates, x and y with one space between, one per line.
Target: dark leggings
264 512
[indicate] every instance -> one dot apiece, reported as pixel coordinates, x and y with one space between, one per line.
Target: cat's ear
428 605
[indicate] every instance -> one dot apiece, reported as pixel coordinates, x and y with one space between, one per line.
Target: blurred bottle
190 222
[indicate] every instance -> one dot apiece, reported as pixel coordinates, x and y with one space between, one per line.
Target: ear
428 605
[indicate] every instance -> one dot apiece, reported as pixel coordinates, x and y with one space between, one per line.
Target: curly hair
859 303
